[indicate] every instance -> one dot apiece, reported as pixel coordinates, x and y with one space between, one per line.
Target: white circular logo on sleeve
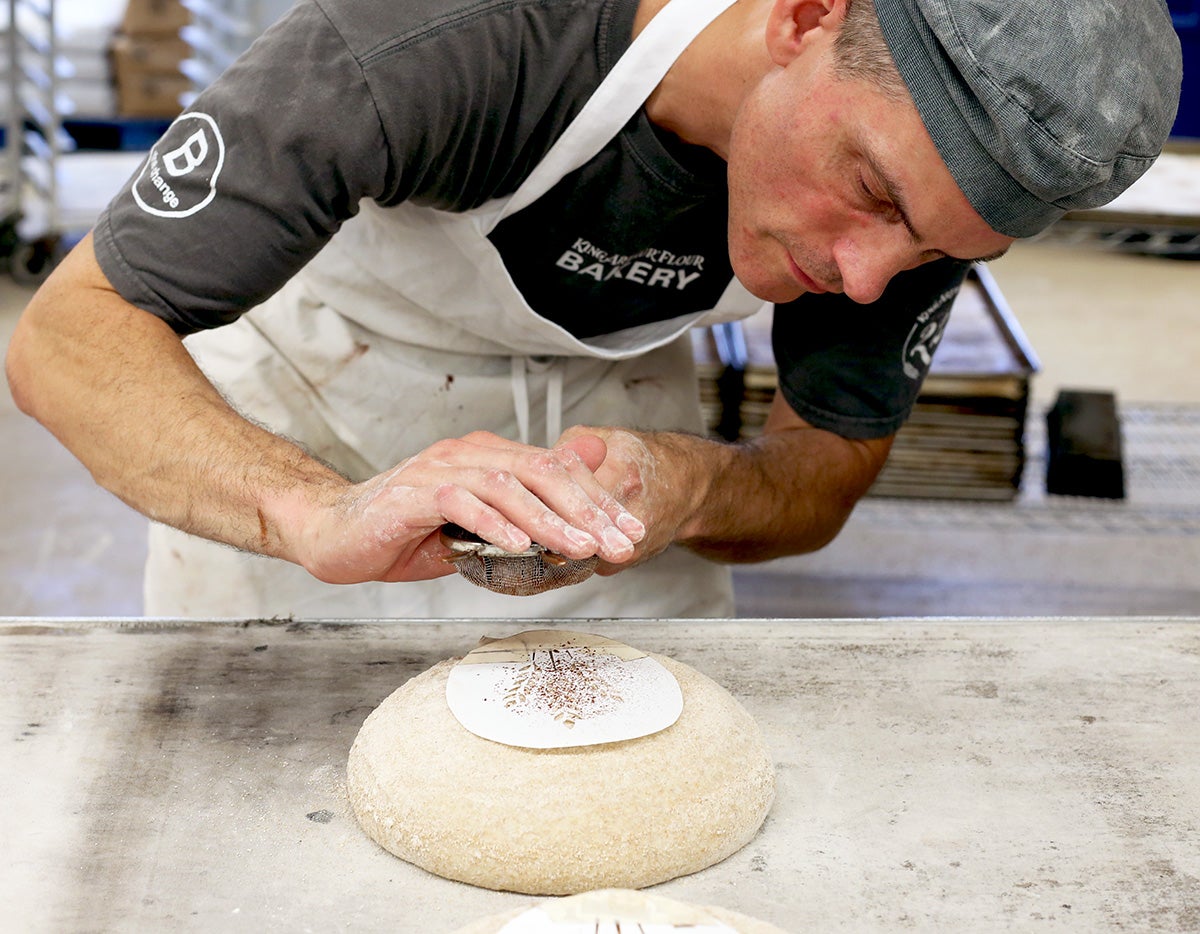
925 335
180 174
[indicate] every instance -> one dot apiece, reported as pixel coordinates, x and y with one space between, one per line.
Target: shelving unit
1158 216
220 31
34 141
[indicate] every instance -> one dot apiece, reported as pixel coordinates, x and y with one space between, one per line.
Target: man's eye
876 203
870 197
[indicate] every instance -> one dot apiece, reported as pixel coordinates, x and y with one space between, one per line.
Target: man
454 217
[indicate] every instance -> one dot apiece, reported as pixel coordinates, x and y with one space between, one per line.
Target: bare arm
117 387
787 492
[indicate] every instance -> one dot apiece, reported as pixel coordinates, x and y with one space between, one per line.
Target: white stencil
537 921
549 689
615 911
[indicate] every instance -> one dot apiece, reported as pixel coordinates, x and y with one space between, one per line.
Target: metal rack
34 141
220 31
1158 216
1177 238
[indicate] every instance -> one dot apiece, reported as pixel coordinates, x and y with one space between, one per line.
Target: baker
439 261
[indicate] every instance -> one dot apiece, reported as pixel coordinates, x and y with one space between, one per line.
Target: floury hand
507 493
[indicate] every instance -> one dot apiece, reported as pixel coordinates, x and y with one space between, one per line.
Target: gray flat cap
1039 107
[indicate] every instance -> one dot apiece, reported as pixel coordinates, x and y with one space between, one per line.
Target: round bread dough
619 897
619 815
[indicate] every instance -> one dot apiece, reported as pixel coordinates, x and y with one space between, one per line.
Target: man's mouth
810 284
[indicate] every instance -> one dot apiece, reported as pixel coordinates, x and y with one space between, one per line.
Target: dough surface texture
621 815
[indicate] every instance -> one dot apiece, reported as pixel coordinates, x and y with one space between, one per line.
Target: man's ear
792 24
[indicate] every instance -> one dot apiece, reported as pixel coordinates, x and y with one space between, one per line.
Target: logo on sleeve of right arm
179 177
925 335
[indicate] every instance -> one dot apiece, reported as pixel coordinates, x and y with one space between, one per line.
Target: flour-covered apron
407 329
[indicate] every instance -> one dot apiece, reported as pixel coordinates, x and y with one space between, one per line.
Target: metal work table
932 774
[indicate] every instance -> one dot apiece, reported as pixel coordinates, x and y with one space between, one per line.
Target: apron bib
407 329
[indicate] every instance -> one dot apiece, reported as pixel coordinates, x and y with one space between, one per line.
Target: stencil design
567 683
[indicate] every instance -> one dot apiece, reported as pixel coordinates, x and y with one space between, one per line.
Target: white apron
406 329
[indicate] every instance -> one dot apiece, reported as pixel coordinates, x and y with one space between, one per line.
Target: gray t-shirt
450 103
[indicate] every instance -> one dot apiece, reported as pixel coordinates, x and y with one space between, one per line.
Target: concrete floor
1096 319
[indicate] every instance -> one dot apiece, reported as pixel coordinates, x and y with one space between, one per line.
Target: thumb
590 448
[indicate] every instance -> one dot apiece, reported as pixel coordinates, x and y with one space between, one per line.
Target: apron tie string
520 393
554 393
555 369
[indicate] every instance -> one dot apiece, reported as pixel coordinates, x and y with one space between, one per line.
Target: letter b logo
189 156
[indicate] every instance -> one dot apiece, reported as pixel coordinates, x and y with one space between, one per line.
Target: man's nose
867 265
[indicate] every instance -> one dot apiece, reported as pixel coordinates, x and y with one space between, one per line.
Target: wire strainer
518 574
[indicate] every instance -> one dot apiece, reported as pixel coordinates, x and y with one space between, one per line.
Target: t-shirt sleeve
856 369
250 182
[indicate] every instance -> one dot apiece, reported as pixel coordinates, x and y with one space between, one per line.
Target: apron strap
555 369
620 95
554 394
520 394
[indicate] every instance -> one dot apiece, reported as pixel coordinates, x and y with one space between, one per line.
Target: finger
461 506
591 449
562 480
502 511
424 564
568 502
580 456
426 561
587 447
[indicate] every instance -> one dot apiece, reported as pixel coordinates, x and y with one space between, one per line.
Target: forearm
784 493
116 386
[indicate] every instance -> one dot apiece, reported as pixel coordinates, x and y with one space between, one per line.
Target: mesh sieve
518 574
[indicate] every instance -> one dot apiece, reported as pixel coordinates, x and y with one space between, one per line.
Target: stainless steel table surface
965 775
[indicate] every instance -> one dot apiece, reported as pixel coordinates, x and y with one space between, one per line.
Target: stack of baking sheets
965 438
709 375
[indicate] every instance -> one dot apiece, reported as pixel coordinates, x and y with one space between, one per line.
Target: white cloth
406 329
